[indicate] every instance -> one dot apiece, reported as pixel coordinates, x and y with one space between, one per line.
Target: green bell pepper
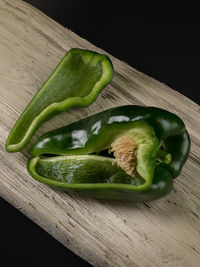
76 81
127 153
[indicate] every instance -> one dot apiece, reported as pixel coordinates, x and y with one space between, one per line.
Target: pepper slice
160 145
77 80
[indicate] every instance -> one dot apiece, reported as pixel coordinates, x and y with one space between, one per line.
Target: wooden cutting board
165 232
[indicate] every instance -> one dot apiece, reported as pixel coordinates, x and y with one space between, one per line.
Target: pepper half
77 80
127 153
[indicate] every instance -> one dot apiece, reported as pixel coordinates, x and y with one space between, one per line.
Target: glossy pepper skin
77 80
94 134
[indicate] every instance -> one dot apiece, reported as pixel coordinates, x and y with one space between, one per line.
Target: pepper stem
164 157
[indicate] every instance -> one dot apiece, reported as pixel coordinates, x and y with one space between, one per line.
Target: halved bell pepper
76 81
127 153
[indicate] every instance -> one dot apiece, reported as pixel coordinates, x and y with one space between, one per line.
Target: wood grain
161 233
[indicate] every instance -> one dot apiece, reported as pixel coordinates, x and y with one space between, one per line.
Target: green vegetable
77 81
128 153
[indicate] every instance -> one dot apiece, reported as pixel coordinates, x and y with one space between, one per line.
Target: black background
160 40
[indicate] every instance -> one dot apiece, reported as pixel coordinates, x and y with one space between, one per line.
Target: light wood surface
165 232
